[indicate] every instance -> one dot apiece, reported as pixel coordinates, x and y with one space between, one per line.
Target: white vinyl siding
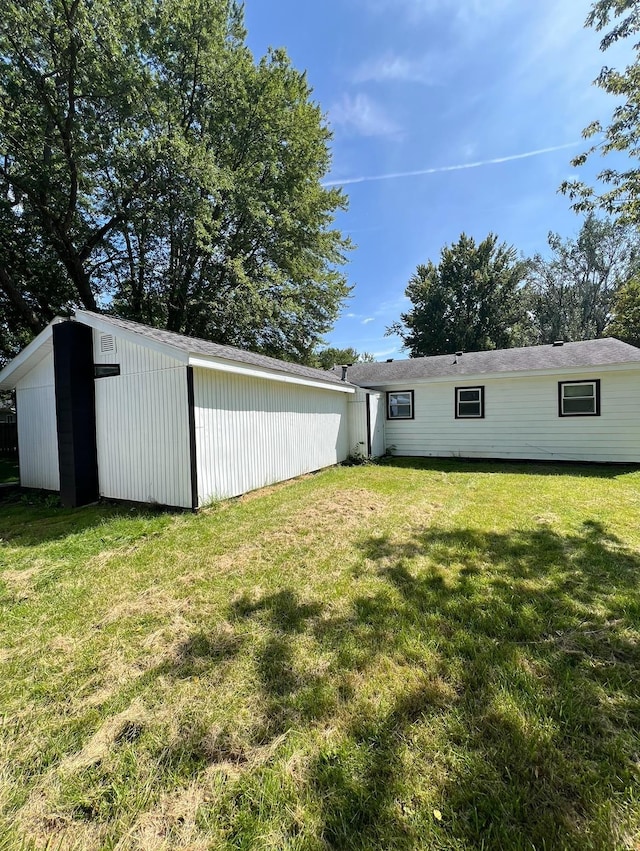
521 421
142 426
251 432
37 429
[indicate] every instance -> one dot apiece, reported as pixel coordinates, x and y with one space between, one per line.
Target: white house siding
251 432
37 431
357 422
142 426
521 420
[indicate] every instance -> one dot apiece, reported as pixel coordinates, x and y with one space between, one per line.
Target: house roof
195 346
587 353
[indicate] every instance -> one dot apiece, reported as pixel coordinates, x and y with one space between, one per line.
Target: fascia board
103 325
485 376
34 352
222 365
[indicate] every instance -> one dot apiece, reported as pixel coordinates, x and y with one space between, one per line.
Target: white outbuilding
116 409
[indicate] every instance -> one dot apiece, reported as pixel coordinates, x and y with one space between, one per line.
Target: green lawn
413 655
8 470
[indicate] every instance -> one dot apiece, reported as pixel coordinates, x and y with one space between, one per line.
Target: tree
330 357
165 174
569 294
470 301
621 198
625 322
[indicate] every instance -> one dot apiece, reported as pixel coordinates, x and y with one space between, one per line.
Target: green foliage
621 198
569 294
625 322
152 165
330 357
470 301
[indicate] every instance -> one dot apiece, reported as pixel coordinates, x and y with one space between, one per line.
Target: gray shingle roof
589 353
194 346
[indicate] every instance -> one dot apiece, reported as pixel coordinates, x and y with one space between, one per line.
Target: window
579 398
400 405
469 403
106 370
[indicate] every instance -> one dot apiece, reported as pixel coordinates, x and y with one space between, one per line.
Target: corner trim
192 439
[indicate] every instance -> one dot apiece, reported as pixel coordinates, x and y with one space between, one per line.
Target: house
564 401
7 415
112 408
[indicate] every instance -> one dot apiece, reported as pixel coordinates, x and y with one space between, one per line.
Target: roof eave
239 368
29 357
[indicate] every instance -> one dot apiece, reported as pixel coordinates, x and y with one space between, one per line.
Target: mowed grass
413 655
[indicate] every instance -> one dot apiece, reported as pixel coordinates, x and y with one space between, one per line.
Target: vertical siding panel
252 432
143 427
37 429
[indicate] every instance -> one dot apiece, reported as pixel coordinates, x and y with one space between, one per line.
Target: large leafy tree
150 166
625 320
569 293
616 19
469 301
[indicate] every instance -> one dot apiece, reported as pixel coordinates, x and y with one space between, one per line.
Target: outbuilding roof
195 346
587 353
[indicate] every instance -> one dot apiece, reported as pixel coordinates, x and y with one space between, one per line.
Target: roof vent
389 360
107 343
558 342
344 368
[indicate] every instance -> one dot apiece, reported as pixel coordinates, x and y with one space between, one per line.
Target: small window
400 405
579 398
469 403
106 370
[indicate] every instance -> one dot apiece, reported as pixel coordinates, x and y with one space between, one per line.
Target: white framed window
400 405
579 398
469 403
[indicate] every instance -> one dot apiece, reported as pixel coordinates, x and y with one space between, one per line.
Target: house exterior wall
37 432
360 424
521 420
251 432
142 426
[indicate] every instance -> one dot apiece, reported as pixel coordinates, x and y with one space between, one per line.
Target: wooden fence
9 440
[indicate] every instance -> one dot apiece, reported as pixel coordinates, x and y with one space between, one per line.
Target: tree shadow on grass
535 637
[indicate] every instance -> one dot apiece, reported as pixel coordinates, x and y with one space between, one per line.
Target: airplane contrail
443 168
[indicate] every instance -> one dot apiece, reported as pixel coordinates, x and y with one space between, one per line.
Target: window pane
573 390
401 411
469 409
469 395
579 406
399 398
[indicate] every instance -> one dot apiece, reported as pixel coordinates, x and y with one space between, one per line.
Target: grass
415 655
8 470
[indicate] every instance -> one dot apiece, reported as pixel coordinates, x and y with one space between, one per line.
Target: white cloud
394 68
367 320
362 116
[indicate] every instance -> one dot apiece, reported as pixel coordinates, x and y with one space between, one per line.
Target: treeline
484 296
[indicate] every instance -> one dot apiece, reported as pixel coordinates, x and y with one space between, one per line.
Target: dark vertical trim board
192 439
367 400
75 413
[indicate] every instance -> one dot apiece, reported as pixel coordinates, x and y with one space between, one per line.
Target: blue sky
423 85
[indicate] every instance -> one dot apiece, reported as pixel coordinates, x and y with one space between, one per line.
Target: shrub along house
111 408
